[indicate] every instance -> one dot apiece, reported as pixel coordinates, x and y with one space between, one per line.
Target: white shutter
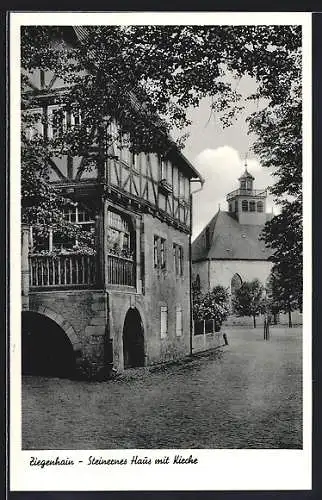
164 321
178 321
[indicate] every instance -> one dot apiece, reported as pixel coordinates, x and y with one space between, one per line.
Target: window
75 118
178 259
79 215
230 207
236 206
57 122
245 206
32 123
249 184
236 283
163 169
181 186
119 235
155 251
134 160
164 321
243 184
252 206
178 321
162 253
159 252
260 206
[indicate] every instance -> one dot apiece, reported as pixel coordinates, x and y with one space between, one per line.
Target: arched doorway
46 349
133 339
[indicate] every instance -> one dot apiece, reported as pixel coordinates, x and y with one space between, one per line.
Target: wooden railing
121 270
204 326
62 270
247 192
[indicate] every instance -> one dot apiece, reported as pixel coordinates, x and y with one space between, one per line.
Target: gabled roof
229 240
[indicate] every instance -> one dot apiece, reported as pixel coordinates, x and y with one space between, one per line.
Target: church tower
246 203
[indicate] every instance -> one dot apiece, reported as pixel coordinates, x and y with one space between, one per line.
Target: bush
212 305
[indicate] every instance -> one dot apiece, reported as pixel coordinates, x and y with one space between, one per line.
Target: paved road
247 396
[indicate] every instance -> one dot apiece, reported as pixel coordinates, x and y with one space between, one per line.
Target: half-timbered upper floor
156 183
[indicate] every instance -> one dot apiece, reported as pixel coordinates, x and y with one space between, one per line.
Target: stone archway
46 348
133 339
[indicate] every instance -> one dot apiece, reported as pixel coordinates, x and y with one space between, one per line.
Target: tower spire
246 158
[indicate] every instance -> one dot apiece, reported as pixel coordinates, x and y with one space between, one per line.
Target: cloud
221 168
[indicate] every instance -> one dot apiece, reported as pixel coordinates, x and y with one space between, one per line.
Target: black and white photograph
158 229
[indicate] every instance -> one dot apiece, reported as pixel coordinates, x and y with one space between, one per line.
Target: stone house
128 303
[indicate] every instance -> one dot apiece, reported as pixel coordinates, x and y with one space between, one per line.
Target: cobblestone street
245 395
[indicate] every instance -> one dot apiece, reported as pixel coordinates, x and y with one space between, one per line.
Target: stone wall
220 272
81 314
160 288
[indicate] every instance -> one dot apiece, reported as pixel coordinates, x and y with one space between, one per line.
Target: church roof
246 175
229 240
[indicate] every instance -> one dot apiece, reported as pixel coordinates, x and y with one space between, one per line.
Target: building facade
127 302
228 251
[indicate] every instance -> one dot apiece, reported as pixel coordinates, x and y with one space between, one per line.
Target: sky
219 155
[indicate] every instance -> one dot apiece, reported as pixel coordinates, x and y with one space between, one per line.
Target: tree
279 145
248 299
212 305
281 295
148 76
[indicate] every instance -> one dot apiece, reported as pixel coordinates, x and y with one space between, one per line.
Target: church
228 251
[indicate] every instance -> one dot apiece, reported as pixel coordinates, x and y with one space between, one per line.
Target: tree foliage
248 300
147 77
212 305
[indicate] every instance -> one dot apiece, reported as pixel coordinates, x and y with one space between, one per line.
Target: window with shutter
178 321
164 321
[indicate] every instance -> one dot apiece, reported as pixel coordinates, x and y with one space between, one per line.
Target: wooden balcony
62 271
78 271
121 270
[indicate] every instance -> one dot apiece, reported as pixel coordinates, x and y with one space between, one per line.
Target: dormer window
163 169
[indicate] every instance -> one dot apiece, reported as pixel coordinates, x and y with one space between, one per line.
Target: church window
243 184
260 206
252 206
245 206
249 184
236 283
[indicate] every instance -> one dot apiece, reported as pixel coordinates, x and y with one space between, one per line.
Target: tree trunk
254 320
290 324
